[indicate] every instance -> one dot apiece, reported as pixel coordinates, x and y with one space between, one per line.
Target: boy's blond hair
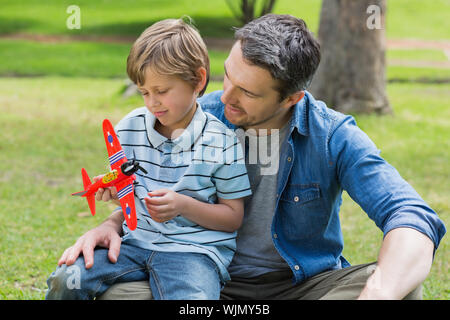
169 47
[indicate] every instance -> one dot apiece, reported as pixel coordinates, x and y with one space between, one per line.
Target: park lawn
26 58
51 116
213 18
416 54
75 59
51 127
416 19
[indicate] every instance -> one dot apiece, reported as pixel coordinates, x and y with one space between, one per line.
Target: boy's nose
154 103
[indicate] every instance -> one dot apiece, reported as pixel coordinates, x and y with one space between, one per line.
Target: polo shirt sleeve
377 186
230 177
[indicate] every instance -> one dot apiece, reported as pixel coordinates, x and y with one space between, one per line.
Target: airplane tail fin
91 202
90 198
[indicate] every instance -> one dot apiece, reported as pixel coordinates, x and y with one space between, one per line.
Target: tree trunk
351 76
246 10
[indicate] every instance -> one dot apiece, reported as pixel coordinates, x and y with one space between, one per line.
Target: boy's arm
165 204
227 215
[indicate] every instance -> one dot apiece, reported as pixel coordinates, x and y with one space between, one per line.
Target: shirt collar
186 139
300 115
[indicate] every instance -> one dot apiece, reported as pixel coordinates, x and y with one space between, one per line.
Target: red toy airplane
121 176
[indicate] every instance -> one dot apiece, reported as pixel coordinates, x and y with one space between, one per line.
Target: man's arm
411 228
404 262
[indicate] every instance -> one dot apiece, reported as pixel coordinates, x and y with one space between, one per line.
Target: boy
191 202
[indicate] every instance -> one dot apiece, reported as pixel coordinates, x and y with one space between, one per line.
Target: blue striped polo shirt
205 162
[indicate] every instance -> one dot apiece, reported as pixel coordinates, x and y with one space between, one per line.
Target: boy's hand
107 194
164 204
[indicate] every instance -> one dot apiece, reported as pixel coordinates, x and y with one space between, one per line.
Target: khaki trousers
342 284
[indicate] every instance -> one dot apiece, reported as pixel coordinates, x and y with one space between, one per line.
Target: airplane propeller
131 166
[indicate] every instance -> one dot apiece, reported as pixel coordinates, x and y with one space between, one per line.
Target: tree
246 10
351 76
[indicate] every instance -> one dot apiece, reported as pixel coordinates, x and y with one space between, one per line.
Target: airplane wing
115 152
125 192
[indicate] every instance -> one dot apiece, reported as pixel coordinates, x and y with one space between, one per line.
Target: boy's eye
144 93
162 91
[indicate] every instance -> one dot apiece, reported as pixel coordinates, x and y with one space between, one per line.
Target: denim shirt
325 154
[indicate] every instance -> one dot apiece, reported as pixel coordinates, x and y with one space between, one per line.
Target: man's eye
162 91
144 93
250 95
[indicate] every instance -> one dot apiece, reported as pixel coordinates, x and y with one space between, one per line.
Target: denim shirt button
289 159
275 236
296 267
296 199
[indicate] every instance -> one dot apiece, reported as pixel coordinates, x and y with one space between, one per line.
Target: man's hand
105 235
164 204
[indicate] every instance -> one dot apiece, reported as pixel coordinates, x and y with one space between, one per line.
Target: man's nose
229 95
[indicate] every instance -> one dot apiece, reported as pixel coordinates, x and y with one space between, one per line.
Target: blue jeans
171 275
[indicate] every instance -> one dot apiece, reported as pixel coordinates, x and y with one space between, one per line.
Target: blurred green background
57 85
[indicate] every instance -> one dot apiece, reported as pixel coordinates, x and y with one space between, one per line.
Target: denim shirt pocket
303 213
301 193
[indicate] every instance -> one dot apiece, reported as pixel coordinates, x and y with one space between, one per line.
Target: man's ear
292 99
201 73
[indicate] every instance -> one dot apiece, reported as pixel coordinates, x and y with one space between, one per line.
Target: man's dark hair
283 45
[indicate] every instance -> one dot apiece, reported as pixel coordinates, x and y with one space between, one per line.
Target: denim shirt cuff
416 218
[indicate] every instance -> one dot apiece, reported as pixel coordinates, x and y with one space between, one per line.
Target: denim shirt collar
299 118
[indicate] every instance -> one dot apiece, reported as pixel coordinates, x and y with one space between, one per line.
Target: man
290 244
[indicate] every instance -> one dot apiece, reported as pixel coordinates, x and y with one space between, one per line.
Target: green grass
112 17
74 59
51 123
213 18
108 60
405 18
417 54
417 73
416 19
51 127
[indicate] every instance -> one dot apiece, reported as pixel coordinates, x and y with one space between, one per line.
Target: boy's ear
201 73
